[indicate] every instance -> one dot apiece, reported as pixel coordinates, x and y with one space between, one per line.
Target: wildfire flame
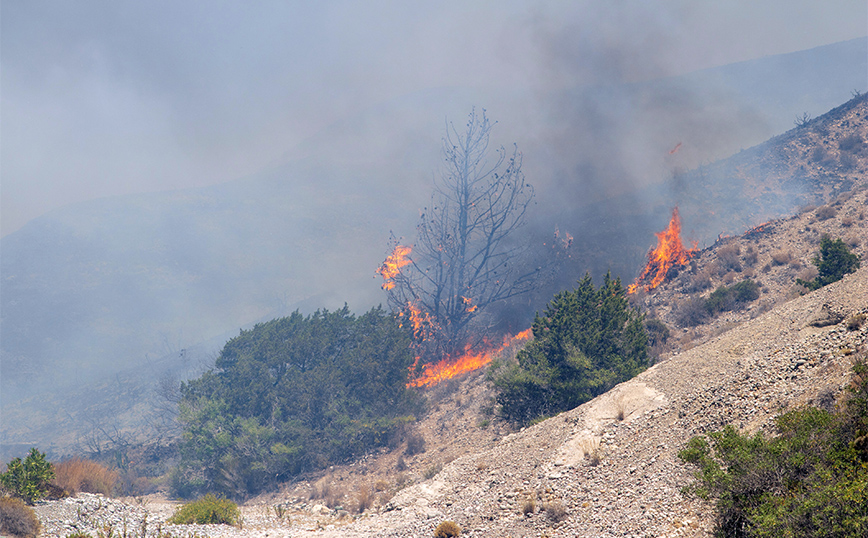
670 252
674 150
391 267
421 321
469 360
469 306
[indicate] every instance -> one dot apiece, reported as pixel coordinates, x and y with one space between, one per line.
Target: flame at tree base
469 361
669 253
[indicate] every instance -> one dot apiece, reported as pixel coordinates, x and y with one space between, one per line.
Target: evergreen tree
833 262
587 341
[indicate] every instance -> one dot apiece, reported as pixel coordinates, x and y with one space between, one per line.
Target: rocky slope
606 468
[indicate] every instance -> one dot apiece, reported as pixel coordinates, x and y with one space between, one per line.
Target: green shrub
29 479
293 395
809 480
586 342
833 262
724 298
17 519
207 510
447 529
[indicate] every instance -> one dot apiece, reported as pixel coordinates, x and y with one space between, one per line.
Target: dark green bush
833 262
810 480
292 395
724 298
17 519
28 479
587 341
207 510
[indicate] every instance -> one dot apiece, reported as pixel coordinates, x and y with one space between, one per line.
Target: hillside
110 287
611 463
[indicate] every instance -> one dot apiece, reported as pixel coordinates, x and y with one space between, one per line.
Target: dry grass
556 511
781 257
591 448
432 471
808 274
17 519
750 256
364 499
855 322
728 259
447 529
79 475
825 213
528 507
323 490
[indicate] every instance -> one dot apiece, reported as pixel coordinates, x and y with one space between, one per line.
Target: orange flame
391 267
421 321
670 252
470 307
674 150
468 361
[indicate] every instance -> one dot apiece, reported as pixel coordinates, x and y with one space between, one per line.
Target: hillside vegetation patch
811 479
292 395
587 341
833 262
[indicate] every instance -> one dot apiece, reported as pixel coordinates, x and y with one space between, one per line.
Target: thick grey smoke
224 164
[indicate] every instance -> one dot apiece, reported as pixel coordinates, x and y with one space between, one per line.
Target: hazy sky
108 98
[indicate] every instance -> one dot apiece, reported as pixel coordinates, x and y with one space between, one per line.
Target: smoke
285 142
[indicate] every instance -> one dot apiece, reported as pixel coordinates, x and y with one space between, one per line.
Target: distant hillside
119 284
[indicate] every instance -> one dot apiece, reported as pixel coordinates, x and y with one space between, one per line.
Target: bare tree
464 259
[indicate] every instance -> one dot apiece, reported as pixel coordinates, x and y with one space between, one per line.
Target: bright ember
670 252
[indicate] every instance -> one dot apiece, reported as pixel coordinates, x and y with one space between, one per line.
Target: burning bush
587 341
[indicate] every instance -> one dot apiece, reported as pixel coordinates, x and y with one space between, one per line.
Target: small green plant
17 519
833 262
207 510
28 479
447 529
78 534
